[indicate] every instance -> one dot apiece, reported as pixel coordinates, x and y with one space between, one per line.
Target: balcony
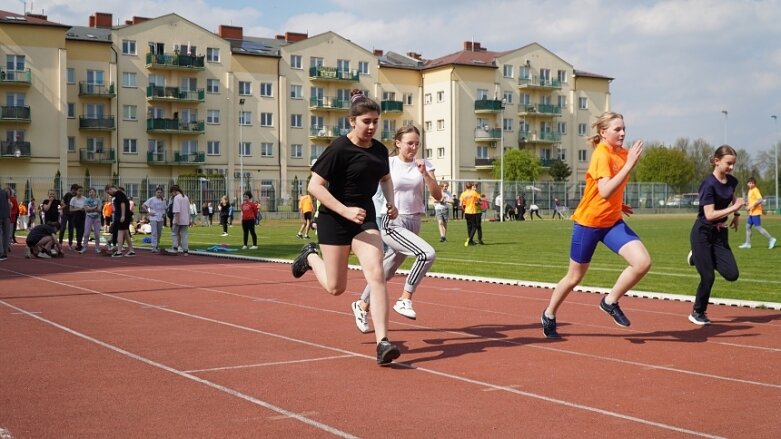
488 106
387 135
392 106
481 163
14 149
15 77
327 132
546 163
323 73
528 137
160 158
97 157
539 110
486 134
539 83
156 93
175 126
96 90
328 103
15 113
174 61
104 123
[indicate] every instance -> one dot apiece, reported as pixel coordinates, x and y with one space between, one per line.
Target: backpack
169 212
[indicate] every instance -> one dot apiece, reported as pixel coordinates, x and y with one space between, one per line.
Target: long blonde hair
602 123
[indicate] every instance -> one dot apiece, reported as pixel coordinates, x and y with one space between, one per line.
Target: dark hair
751 180
721 151
360 104
248 194
176 188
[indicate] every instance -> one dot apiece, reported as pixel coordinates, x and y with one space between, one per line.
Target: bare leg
574 275
636 255
331 269
367 246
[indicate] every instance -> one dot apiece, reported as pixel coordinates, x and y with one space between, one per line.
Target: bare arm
607 186
711 214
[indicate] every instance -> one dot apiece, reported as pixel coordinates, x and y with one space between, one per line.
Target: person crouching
42 241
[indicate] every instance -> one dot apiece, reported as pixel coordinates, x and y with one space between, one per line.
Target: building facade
153 99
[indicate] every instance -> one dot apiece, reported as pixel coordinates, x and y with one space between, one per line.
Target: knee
731 276
643 266
336 290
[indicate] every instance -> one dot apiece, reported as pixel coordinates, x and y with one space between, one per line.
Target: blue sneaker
549 326
615 311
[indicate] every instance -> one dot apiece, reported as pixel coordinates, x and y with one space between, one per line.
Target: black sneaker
699 318
300 264
386 352
549 326
615 311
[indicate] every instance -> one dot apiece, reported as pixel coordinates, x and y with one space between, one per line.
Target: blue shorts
754 220
585 240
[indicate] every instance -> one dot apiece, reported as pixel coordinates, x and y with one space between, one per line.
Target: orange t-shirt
594 210
753 197
470 200
108 209
305 204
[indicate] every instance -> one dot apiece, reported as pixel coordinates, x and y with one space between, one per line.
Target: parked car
682 200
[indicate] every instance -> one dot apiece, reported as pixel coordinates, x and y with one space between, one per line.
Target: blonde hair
602 123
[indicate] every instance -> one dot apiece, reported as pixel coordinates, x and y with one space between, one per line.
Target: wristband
736 214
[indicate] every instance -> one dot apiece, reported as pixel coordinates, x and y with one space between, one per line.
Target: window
526 99
440 124
95 144
523 127
212 54
129 79
266 90
188 84
296 151
14 62
388 96
482 94
524 72
316 122
155 113
266 119
343 67
296 91
93 111
508 71
188 147
440 153
245 118
507 124
561 127
128 47
212 86
245 149
562 76
95 77
363 68
213 117
582 103
71 144
427 98
508 97
343 123
562 154
71 75
296 121
545 76
482 152
582 155
562 102
213 147
408 98
245 88
266 149
440 96
131 189
129 146
582 129
427 153
315 61
129 112
295 62
71 110
428 126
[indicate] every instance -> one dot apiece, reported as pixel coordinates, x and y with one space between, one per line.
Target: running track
159 346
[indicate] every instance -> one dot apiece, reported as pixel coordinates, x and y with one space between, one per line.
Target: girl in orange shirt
598 218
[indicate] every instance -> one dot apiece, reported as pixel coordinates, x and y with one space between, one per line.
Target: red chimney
414 55
137 20
231 32
40 16
293 37
101 19
467 45
378 52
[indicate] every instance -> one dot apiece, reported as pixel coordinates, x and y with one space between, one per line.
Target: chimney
101 19
378 52
280 37
414 55
137 20
294 37
39 16
468 45
231 32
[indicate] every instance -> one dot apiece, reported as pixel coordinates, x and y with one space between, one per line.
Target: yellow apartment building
152 99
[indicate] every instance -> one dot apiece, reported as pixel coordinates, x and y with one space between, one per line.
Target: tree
668 165
519 165
559 170
699 153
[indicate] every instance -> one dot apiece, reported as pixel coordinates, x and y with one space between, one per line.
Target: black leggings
224 223
473 226
249 228
66 221
711 251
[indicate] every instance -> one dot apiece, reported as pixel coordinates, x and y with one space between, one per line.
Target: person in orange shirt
108 211
306 207
754 208
598 218
470 203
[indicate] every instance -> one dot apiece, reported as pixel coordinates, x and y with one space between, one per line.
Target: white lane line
343 351
275 363
183 374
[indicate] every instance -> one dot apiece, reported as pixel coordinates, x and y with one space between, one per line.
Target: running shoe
615 311
117 255
224 234
699 318
745 245
361 320
254 247
771 244
404 307
130 254
386 352
44 255
243 247
301 264
299 236
549 326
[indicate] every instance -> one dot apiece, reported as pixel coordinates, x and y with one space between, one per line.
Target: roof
583 73
7 17
483 58
84 33
397 60
257 46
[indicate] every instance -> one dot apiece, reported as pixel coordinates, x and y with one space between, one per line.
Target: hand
355 214
122 219
627 209
734 223
421 164
392 211
634 153
739 202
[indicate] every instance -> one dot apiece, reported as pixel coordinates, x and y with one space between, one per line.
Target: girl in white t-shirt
400 235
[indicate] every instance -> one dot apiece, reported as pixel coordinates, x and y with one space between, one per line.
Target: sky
678 64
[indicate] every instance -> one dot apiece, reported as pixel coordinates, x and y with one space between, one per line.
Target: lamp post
775 152
724 112
241 146
501 166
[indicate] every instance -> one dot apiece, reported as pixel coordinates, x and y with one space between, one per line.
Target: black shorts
333 229
307 216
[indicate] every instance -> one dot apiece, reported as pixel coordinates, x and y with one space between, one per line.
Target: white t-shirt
407 186
77 203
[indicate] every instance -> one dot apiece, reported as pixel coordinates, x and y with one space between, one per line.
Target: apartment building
152 99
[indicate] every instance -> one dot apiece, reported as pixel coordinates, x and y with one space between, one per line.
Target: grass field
539 251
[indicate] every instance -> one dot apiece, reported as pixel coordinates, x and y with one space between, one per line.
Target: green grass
539 251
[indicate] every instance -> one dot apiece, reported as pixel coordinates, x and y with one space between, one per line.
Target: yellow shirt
470 200
753 197
305 204
594 210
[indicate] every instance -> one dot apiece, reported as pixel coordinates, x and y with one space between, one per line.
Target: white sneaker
27 253
745 245
404 307
254 247
243 247
44 255
771 244
224 234
361 320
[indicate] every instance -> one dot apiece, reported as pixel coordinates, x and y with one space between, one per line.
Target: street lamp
501 166
724 112
775 152
241 145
